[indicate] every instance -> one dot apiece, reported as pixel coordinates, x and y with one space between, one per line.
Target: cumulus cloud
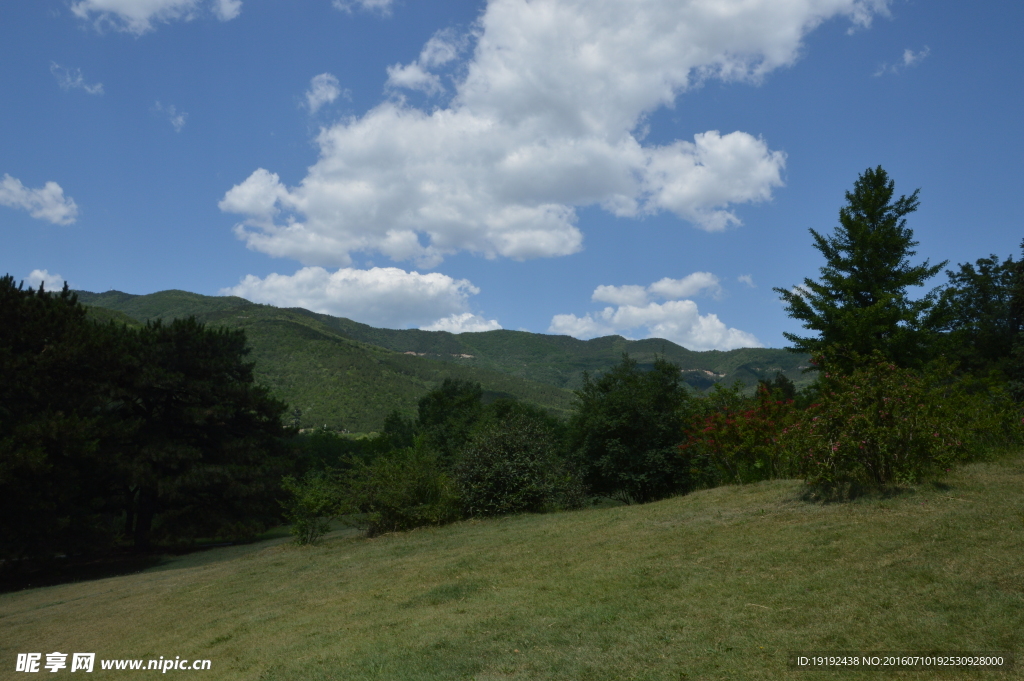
50 282
746 279
138 16
174 116
323 89
45 203
72 79
545 117
382 296
698 283
442 48
414 77
382 7
910 58
676 320
467 322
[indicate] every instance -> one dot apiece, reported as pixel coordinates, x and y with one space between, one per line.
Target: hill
561 360
719 584
333 380
350 375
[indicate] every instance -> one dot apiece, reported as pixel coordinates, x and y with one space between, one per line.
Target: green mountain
349 375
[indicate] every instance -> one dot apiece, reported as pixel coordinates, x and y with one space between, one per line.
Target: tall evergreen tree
202 450
105 429
861 303
59 425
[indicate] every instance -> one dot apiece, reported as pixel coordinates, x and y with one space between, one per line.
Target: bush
510 466
624 433
405 489
316 499
880 425
739 442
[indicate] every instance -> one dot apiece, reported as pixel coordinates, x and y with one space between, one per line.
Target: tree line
111 436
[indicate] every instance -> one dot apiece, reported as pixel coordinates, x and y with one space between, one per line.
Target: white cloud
691 285
413 77
46 203
910 58
323 89
381 6
467 322
546 116
442 48
382 296
676 320
226 10
71 79
51 282
138 16
670 289
800 291
620 295
746 279
175 117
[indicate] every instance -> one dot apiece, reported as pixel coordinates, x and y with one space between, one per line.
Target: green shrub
624 433
315 500
404 489
880 425
510 466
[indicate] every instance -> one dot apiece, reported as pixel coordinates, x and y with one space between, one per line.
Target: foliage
59 426
350 375
882 425
861 302
511 466
447 414
321 449
313 502
624 433
976 311
109 432
780 387
398 430
200 457
405 489
739 442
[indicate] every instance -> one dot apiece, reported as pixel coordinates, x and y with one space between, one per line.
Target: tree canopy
624 433
861 302
108 431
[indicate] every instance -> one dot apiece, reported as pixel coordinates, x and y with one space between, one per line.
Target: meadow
719 584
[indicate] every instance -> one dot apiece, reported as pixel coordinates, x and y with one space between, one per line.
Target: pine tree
861 304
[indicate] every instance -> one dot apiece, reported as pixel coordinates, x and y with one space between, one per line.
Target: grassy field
720 584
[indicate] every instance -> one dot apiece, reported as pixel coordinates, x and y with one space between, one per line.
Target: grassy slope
334 380
720 584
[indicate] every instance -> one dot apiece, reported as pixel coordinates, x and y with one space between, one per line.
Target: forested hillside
333 380
350 376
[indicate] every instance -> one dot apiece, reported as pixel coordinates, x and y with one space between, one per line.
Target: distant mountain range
348 375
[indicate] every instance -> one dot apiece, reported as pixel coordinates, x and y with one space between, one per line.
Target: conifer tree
861 303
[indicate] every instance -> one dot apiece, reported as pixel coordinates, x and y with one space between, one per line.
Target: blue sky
648 168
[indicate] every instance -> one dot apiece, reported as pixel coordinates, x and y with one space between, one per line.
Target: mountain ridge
350 375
